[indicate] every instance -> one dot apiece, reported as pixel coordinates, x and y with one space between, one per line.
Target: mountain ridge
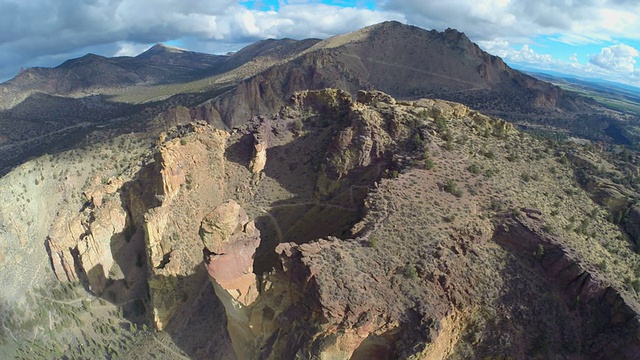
405 61
246 215
447 63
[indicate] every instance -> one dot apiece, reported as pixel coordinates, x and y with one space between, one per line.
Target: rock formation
82 244
363 249
604 312
259 159
230 241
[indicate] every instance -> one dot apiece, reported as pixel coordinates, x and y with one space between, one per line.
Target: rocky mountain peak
159 49
83 60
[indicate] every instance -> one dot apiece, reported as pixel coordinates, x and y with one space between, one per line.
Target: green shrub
515 212
417 143
183 141
451 187
449 145
428 163
449 218
447 136
539 253
410 271
549 229
189 181
474 169
441 124
297 125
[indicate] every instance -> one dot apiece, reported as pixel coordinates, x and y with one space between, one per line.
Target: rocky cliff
355 228
404 61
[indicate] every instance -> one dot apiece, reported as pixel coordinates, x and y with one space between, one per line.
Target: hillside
94 74
314 199
404 61
405 229
407 62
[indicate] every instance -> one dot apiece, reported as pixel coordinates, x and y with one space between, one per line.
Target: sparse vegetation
410 271
297 125
451 187
423 231
474 169
428 161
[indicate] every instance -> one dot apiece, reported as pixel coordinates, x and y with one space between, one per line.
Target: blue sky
592 39
275 5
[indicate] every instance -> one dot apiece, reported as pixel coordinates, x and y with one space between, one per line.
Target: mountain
404 61
93 74
407 62
185 205
340 227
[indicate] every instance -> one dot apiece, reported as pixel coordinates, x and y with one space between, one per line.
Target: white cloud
36 32
528 55
615 66
584 21
129 49
619 57
46 32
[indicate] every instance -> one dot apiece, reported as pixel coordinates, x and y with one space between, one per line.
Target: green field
613 102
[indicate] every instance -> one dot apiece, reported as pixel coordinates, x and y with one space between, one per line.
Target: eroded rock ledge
329 298
609 319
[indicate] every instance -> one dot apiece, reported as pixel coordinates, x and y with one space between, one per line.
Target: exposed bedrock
294 315
609 319
81 245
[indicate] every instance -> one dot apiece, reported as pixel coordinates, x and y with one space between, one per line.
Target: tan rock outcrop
259 159
168 198
95 248
83 241
230 240
98 191
64 235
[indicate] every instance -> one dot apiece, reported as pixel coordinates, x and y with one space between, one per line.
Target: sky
597 39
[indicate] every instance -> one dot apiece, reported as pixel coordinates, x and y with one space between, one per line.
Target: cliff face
608 319
82 245
357 228
404 61
150 214
405 284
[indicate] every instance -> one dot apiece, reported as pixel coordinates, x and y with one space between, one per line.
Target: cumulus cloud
615 62
47 32
528 55
41 32
589 21
619 57
509 29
